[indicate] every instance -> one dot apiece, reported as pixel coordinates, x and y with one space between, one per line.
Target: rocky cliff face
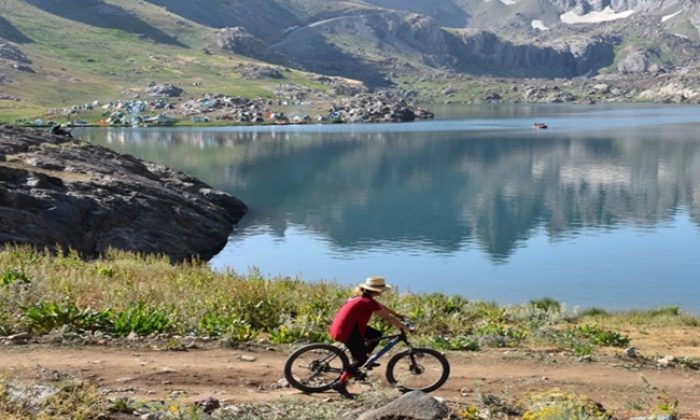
482 52
238 40
59 191
522 38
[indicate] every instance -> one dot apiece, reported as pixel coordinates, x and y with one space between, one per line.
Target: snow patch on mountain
604 15
538 24
506 2
671 16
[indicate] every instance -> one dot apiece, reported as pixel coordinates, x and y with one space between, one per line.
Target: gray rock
413 405
63 191
255 72
631 352
164 90
208 405
602 88
665 361
634 62
22 67
31 396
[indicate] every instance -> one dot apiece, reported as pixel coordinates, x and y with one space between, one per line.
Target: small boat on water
539 125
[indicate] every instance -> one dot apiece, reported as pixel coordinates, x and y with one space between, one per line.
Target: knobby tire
421 356
306 370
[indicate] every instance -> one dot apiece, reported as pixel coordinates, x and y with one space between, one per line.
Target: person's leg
371 336
358 350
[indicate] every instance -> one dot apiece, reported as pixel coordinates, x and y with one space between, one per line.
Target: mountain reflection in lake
486 207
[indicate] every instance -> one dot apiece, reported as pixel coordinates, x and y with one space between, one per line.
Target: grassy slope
78 63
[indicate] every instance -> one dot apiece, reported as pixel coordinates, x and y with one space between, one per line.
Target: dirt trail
227 375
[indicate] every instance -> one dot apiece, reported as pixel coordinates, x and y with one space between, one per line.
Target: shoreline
227 123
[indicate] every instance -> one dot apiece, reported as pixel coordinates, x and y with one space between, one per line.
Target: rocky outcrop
56 191
374 108
635 62
238 40
11 52
16 58
672 92
163 90
250 71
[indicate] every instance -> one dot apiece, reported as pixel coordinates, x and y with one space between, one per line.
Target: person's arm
392 318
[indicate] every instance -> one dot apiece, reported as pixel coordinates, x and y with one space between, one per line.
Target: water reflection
438 190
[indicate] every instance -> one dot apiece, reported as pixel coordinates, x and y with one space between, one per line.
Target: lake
602 209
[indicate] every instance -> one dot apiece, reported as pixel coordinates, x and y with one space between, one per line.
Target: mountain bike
314 367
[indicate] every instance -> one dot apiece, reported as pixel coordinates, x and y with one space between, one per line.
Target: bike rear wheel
418 369
315 367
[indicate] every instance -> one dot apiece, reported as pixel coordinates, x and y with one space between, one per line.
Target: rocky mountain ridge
382 43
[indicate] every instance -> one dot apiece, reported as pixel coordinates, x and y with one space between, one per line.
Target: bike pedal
372 365
360 376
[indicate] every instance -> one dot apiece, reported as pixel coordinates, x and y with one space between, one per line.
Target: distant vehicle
539 125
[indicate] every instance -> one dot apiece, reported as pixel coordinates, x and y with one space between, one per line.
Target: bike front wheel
418 369
315 367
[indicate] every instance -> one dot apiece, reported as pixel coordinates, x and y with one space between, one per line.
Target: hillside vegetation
80 55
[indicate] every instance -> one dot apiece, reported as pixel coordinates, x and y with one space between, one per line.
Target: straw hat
375 284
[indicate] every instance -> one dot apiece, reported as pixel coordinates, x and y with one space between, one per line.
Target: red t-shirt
356 312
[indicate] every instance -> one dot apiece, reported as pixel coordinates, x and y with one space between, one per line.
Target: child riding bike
350 327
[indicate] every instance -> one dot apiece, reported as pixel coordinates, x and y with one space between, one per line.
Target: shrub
142 320
591 312
239 331
500 334
673 310
546 304
600 336
460 342
11 275
47 316
215 323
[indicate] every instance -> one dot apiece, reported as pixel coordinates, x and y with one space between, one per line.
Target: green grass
122 293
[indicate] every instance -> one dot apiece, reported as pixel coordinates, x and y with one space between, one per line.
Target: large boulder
635 62
415 405
60 191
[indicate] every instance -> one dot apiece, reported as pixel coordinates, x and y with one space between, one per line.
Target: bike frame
394 340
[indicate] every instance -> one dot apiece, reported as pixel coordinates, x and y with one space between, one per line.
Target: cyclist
350 327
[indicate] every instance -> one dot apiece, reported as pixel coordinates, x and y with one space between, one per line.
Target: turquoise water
601 209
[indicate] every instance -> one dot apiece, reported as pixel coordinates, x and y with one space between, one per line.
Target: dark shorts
358 346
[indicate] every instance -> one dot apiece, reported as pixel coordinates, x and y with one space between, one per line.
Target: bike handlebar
411 326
